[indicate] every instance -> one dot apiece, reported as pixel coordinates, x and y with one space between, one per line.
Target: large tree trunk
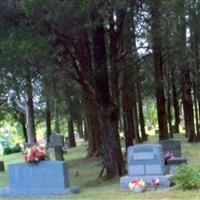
114 85
48 119
175 103
92 126
23 123
80 127
71 136
135 116
127 115
169 113
196 111
185 80
85 130
158 68
55 103
30 120
113 163
141 114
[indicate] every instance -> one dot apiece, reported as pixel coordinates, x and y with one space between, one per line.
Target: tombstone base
176 161
8 192
165 181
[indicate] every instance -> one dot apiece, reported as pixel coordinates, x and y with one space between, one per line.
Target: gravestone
44 178
56 140
56 143
56 153
2 167
173 146
145 161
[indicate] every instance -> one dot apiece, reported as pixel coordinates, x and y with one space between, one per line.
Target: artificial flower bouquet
137 185
169 155
35 153
155 182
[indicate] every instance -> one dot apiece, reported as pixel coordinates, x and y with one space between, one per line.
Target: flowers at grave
155 182
35 153
137 185
169 155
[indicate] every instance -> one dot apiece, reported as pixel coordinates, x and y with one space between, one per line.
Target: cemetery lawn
84 172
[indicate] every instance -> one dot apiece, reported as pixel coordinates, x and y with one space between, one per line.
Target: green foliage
23 47
150 112
187 176
9 150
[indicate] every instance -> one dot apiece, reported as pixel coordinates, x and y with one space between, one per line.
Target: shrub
7 151
187 176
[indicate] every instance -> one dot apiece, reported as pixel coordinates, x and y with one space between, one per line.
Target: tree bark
80 128
23 123
175 103
92 126
55 103
48 119
141 114
30 120
71 136
196 111
107 109
185 80
158 69
127 115
135 116
114 84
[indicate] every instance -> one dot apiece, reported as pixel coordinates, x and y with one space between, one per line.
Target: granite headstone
44 178
56 140
173 146
145 161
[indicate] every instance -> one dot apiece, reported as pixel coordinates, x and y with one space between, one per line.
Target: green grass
93 188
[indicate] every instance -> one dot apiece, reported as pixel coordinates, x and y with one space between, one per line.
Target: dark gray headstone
42 179
56 140
171 145
2 167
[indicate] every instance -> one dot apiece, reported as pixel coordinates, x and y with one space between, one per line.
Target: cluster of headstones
147 161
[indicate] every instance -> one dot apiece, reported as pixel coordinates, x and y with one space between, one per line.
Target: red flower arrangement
35 153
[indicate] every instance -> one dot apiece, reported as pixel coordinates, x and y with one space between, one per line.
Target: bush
187 176
9 150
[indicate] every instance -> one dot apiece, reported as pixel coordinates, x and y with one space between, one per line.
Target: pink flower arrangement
169 155
155 182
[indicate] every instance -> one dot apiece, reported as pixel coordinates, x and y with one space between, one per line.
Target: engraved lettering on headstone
136 169
143 156
153 169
